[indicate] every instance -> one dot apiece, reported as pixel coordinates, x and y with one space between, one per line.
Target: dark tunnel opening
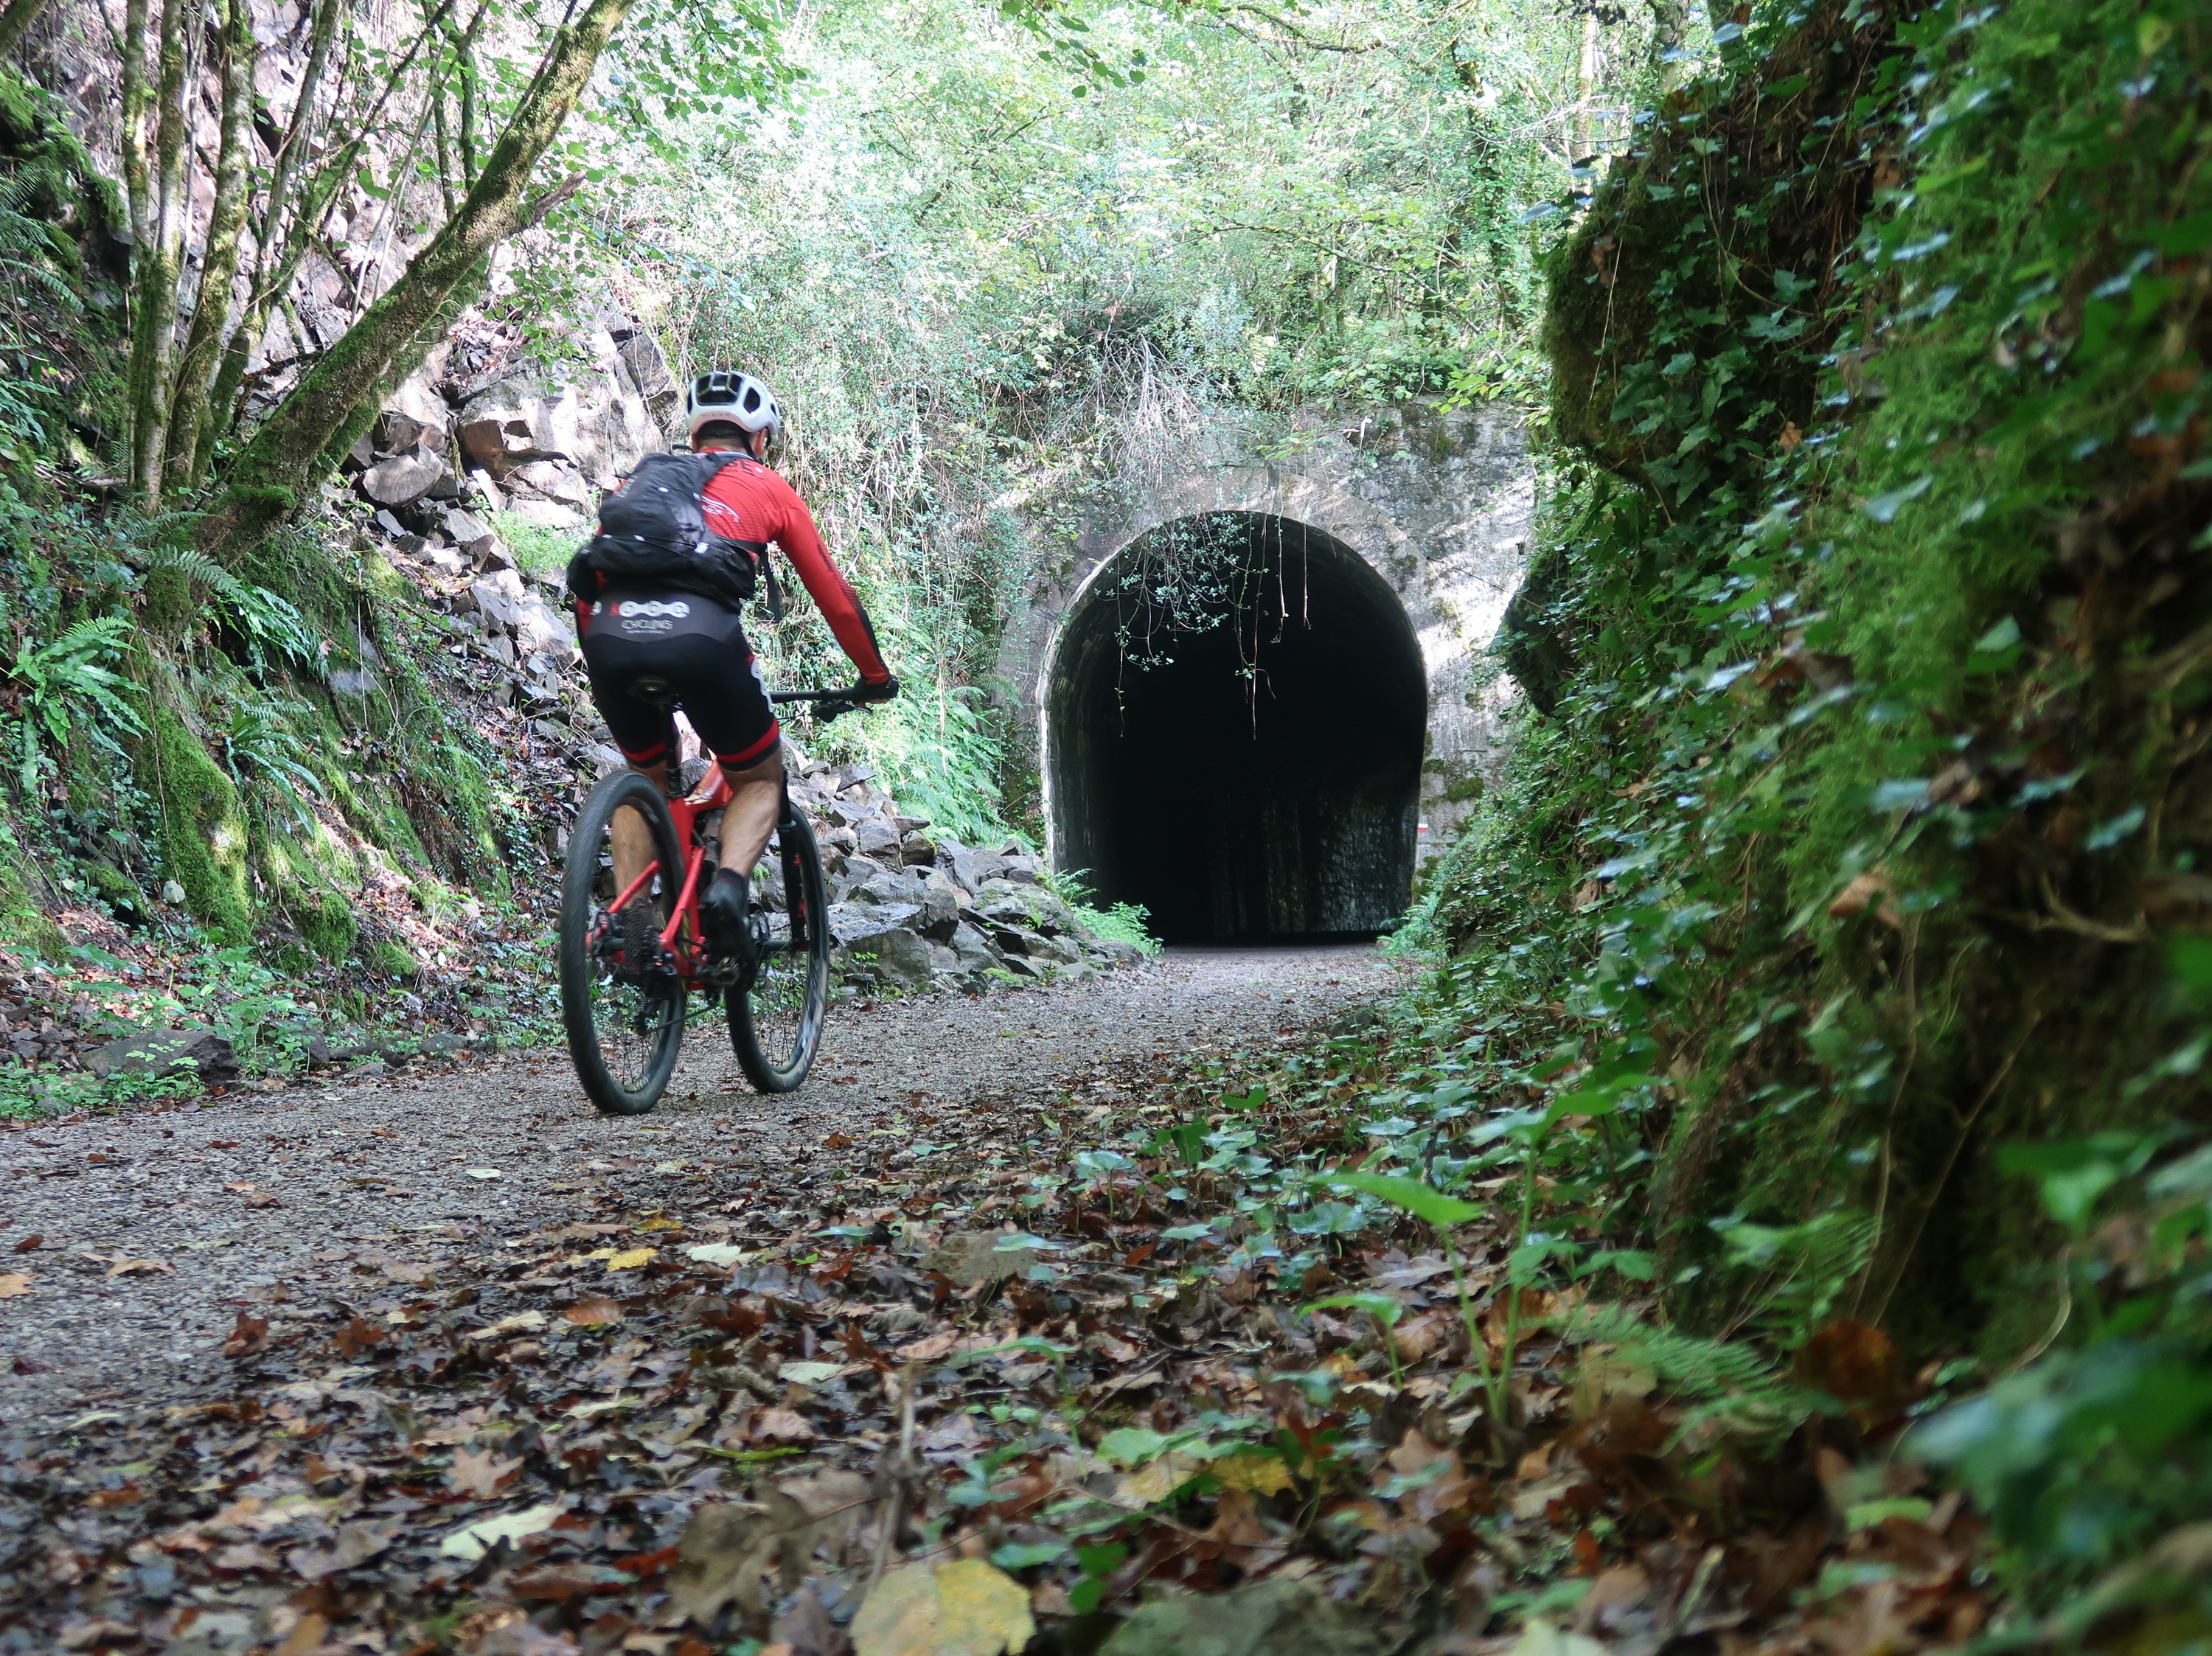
1251 772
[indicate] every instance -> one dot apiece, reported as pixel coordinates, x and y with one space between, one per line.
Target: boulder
549 514
971 949
940 913
900 955
1029 907
539 626
959 862
508 425
558 482
886 887
857 925
878 837
640 356
1022 870
404 477
499 596
1057 951
918 853
165 1051
464 529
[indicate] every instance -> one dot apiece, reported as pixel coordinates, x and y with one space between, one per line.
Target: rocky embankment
911 912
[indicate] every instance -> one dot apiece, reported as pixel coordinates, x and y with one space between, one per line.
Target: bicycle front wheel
776 1013
622 1002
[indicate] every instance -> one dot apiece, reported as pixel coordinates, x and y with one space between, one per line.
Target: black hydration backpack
653 530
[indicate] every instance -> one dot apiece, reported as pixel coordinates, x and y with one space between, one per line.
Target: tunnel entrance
1235 718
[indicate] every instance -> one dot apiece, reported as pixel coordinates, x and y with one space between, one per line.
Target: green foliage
1123 922
1862 637
66 687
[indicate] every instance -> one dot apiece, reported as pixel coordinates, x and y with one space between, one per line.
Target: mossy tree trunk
270 239
215 312
1670 34
134 15
279 464
159 256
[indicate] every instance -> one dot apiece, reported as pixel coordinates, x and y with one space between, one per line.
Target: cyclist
650 646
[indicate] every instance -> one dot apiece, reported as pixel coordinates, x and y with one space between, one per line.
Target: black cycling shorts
649 653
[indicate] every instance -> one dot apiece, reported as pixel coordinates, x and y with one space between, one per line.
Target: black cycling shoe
726 909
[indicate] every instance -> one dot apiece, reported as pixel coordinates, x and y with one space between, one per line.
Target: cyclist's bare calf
756 802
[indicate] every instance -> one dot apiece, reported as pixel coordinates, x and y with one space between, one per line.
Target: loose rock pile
911 911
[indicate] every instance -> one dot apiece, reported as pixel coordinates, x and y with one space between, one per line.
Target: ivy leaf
1422 1201
1884 508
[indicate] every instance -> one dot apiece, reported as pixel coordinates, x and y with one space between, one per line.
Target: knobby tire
776 1017
624 1027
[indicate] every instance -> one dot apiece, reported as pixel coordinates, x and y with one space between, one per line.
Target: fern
1799 1271
1734 1388
267 623
64 679
260 743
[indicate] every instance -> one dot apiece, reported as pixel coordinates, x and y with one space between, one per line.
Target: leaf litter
1033 1393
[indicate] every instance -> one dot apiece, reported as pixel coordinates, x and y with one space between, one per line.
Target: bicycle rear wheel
622 1002
775 1014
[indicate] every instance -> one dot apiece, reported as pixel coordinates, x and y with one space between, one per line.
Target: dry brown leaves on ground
997 1408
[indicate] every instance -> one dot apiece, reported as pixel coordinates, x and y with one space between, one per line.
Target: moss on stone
328 926
388 957
203 834
169 607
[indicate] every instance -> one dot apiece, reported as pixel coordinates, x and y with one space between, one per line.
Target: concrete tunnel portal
1249 771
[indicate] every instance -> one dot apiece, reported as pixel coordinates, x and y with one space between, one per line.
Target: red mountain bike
631 956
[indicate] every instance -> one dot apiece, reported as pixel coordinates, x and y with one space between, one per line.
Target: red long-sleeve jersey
748 502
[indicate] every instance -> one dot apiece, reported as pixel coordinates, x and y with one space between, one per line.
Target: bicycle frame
689 956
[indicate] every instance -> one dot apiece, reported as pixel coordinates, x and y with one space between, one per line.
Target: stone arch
1261 779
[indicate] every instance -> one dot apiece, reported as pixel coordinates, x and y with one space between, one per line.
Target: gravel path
143 1234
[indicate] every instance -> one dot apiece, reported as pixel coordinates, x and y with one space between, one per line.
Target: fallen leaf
810 1373
1157 1480
1541 1638
1259 1474
716 1253
249 1336
139 1268
357 1337
631 1258
479 1472
593 1314
520 1322
13 1283
928 1350
472 1541
781 1426
306 1635
30 1244
727 1546
964 1608
484 1173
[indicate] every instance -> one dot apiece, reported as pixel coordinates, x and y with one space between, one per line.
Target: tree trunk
1670 34
153 290
213 315
16 22
278 466
134 119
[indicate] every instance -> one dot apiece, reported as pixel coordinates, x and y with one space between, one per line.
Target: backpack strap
710 466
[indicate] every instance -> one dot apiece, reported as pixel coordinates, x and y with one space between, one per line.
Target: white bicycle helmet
727 396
